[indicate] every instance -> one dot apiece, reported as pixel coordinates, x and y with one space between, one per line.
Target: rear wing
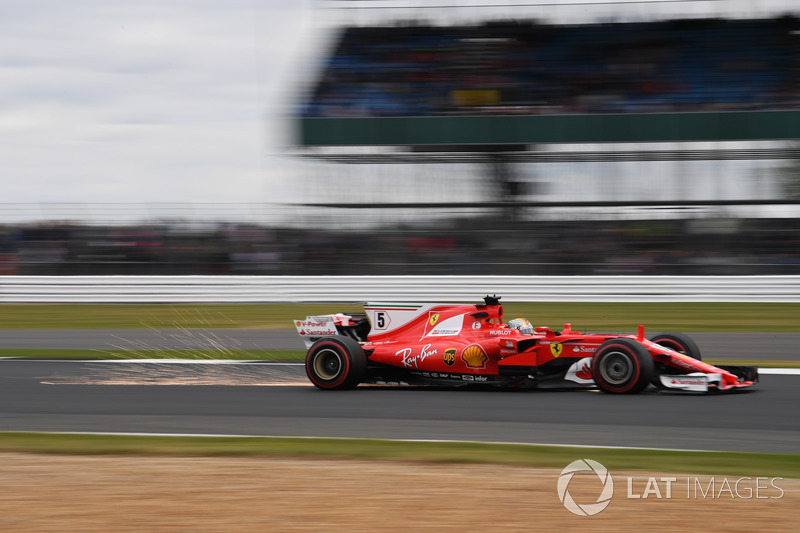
314 328
385 320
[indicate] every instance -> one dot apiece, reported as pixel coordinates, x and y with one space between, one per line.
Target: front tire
622 366
336 363
679 342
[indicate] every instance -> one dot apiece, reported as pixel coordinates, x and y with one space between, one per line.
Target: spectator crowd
469 247
525 67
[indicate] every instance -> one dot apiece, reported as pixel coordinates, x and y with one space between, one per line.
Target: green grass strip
593 316
161 316
701 463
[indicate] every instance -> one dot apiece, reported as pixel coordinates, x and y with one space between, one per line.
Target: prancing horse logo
556 348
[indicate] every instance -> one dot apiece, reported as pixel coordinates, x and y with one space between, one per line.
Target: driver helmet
521 324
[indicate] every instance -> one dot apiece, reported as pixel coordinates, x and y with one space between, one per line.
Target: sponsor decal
449 356
508 348
474 356
580 371
585 372
456 377
411 360
448 327
677 362
500 332
696 382
476 325
318 327
689 381
556 348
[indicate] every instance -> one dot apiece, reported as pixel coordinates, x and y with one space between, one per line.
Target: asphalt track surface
277 400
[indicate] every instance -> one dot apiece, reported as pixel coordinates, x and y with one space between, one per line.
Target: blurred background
389 138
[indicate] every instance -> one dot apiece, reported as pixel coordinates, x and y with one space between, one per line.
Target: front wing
580 373
705 382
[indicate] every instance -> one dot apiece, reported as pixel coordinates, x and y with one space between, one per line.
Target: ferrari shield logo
556 348
434 319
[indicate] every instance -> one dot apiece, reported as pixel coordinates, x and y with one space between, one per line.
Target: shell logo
474 356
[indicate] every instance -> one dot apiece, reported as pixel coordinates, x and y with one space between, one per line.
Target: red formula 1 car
468 344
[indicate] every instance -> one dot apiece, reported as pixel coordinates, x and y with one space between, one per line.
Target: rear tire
679 342
336 363
622 366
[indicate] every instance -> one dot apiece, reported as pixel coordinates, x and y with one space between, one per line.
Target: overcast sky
105 101
146 101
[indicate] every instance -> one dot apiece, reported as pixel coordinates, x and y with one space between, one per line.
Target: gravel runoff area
223 494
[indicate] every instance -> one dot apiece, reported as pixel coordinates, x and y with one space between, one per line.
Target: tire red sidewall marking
632 357
345 371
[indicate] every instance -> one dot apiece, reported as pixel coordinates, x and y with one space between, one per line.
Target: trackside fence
306 289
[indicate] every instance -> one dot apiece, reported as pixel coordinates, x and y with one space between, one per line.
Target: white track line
779 371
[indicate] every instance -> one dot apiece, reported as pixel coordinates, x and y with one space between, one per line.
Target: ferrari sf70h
470 344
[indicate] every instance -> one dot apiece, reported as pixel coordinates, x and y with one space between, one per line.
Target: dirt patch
155 494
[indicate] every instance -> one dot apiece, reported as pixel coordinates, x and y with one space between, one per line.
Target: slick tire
336 363
622 366
679 342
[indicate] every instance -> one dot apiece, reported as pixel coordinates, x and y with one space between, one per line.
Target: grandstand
648 108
